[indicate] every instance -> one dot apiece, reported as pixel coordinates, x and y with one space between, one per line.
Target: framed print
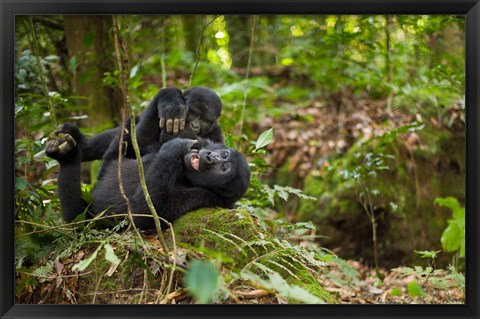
257 159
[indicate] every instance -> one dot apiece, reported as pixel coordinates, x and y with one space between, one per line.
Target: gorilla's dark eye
225 155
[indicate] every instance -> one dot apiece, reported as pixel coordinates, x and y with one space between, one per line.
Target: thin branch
197 51
66 227
124 89
121 51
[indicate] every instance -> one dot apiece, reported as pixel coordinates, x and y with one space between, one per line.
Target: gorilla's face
218 167
200 126
204 108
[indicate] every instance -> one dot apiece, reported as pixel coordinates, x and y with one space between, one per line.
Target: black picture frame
10 8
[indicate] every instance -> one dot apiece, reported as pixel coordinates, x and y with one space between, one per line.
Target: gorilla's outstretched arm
169 115
91 148
66 151
147 127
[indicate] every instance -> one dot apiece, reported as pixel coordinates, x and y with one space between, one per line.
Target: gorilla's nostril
208 158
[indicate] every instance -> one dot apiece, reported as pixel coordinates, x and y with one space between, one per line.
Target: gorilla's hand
172 116
178 147
61 144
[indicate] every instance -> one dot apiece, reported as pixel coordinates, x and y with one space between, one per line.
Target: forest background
354 127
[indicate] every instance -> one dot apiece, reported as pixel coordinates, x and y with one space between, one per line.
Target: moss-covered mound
235 234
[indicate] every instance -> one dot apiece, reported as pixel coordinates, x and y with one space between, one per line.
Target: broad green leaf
415 290
453 237
452 203
202 280
20 183
264 139
82 265
396 292
110 254
51 163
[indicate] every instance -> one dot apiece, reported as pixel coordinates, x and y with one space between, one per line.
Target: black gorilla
204 108
170 114
182 176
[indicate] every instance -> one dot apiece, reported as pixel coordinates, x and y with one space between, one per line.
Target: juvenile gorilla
182 176
170 114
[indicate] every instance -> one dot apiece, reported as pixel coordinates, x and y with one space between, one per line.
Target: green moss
235 233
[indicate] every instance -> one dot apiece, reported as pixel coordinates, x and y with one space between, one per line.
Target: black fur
66 150
199 109
175 186
204 109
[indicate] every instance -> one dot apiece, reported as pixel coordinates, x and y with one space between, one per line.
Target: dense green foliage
379 196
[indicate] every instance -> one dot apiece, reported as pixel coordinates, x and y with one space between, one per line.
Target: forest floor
67 286
392 289
369 289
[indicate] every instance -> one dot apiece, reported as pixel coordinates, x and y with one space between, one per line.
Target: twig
124 89
96 290
252 294
66 226
144 288
50 277
122 67
197 51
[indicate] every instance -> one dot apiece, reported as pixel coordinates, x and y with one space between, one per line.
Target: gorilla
170 114
183 175
204 108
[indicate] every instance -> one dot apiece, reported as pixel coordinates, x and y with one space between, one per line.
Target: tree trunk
90 50
191 26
